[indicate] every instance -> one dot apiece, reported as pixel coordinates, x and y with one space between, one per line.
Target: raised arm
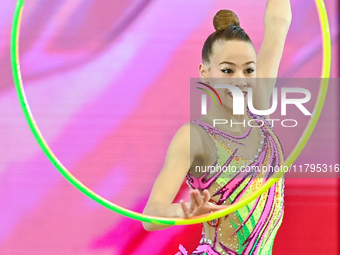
277 21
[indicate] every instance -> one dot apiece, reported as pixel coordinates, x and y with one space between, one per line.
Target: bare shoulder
189 135
180 155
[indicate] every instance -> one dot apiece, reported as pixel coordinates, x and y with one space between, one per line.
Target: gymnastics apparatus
326 65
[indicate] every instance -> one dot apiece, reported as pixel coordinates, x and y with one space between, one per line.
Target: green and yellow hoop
161 220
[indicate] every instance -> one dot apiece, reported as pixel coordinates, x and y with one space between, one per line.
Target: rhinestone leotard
252 228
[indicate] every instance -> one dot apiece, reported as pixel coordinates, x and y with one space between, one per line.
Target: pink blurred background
108 83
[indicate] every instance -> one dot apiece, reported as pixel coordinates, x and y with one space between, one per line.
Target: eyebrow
231 63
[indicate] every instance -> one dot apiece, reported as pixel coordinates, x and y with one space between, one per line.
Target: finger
193 203
206 196
213 207
184 209
198 197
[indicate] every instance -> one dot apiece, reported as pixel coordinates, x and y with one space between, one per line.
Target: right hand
199 205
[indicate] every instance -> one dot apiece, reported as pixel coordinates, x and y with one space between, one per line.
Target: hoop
162 220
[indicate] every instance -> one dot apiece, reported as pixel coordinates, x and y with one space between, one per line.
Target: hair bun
224 19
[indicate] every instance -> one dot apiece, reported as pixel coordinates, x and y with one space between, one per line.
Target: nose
241 83
239 80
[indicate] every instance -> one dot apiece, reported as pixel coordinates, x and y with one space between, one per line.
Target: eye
250 70
227 70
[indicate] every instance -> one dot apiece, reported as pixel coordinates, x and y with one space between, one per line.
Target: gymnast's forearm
278 12
160 210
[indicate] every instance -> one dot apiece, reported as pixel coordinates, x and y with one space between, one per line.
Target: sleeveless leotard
252 228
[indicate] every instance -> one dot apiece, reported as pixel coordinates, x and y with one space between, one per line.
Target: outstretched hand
199 204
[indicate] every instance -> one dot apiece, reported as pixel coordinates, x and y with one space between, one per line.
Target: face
234 63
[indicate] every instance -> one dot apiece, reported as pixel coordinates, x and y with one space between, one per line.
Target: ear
203 71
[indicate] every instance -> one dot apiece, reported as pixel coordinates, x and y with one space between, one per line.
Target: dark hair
227 26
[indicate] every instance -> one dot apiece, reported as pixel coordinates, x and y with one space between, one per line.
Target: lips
244 94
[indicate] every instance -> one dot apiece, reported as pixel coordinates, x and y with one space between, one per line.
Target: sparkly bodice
252 228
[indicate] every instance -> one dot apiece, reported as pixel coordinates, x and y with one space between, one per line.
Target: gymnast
229 54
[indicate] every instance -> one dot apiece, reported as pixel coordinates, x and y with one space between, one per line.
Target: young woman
229 54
